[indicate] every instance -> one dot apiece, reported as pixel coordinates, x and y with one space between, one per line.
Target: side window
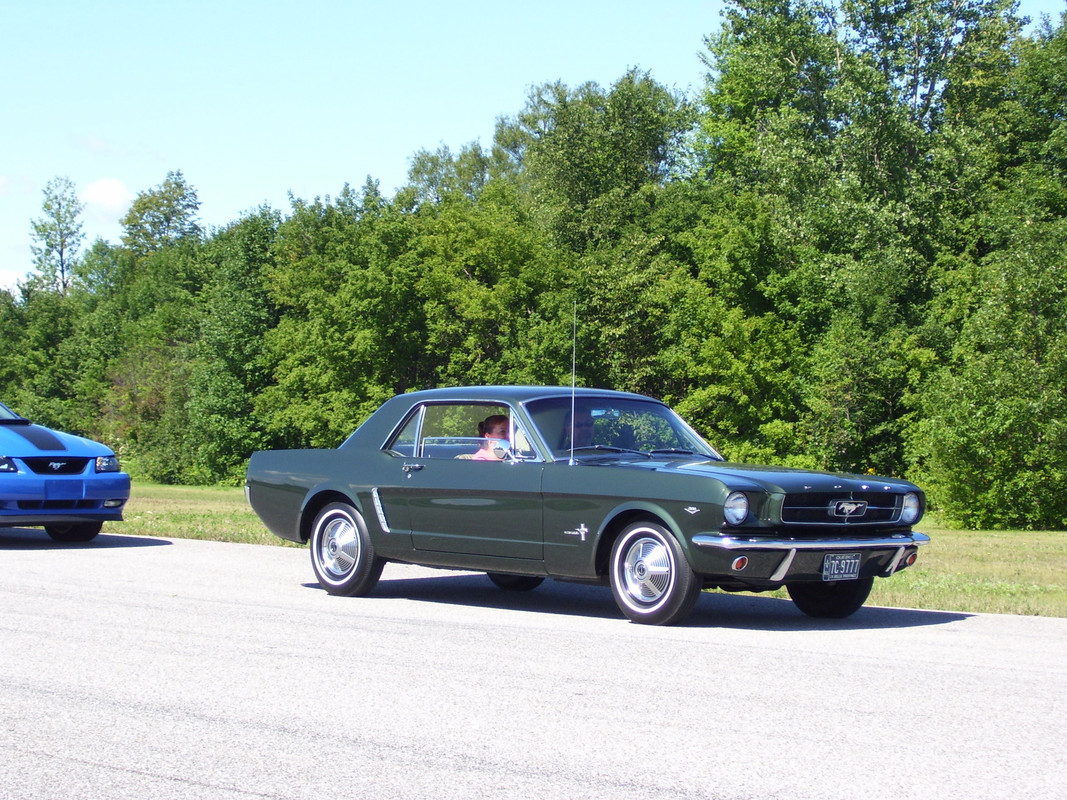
456 430
478 431
404 442
521 445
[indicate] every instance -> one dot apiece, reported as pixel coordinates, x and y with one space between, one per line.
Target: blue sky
254 100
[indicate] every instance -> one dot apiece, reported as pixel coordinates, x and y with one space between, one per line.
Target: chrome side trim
894 563
379 510
756 543
783 568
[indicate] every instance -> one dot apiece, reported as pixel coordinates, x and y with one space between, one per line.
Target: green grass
214 513
997 572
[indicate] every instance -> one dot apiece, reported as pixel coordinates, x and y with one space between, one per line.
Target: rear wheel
74 531
341 552
830 600
652 582
515 583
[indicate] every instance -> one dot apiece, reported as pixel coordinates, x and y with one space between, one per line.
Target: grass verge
995 572
213 513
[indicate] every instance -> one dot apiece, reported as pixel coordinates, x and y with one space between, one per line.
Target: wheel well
614 528
315 505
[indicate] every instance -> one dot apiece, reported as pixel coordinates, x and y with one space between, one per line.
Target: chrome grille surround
841 508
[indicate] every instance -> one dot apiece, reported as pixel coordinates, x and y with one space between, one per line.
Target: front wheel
830 600
341 552
74 532
652 582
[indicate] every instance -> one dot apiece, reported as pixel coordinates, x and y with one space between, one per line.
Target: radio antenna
574 363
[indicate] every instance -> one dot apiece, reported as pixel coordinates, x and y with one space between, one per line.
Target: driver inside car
582 427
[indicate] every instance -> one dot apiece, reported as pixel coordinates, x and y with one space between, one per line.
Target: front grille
55 465
817 508
57 505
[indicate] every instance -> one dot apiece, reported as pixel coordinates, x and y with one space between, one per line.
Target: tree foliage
162 217
58 235
845 253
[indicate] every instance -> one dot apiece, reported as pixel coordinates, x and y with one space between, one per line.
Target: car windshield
7 415
615 425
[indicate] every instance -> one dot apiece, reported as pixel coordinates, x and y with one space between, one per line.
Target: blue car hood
28 440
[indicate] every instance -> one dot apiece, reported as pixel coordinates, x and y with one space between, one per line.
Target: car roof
376 428
514 394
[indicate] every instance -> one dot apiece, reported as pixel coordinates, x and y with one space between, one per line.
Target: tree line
845 252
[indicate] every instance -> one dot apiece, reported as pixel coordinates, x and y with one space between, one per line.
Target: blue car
67 484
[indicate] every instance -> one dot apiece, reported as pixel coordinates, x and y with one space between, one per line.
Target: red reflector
739 563
911 559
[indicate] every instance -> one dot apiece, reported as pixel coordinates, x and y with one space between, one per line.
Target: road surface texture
149 668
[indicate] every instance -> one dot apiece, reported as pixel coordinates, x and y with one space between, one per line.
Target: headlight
107 464
7 465
735 509
910 509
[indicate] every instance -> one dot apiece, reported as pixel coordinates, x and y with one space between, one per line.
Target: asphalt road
147 668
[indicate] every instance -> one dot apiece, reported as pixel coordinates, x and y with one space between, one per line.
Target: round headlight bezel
735 509
910 508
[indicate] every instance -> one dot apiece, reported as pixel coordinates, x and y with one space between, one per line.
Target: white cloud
97 145
106 200
15 186
10 275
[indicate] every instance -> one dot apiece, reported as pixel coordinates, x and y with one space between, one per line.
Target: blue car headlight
7 465
107 463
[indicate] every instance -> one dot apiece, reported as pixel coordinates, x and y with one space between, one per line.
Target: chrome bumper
899 541
757 543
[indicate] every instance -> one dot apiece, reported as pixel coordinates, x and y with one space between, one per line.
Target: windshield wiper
610 448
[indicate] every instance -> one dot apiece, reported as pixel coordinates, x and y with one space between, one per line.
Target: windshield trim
541 410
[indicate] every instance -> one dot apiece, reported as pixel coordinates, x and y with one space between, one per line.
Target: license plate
841 567
64 490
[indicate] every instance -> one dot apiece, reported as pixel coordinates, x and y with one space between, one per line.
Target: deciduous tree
57 235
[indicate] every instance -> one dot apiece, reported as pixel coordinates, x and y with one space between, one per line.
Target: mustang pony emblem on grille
848 508
55 466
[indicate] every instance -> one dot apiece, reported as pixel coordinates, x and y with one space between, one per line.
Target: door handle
409 468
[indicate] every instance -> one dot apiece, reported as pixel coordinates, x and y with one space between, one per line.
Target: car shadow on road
713 610
551 597
37 539
719 610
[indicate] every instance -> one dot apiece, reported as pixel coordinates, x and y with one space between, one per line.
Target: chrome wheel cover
646 571
339 547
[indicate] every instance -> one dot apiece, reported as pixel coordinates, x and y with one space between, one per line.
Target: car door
458 504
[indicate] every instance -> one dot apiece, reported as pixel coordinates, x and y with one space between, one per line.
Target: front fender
623 515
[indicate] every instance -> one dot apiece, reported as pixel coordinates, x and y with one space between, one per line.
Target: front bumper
895 546
29 500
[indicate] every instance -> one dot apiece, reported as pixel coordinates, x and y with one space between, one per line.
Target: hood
21 439
783 480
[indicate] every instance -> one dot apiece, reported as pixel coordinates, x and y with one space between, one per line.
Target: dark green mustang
527 483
